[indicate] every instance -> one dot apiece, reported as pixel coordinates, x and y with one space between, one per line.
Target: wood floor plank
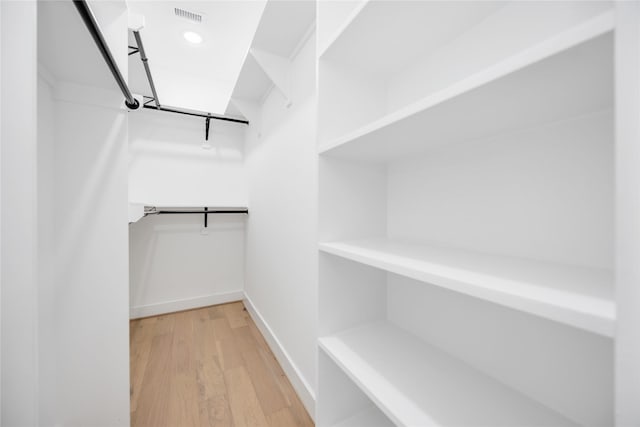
257 335
236 314
183 402
282 418
229 355
216 412
205 342
208 367
164 324
153 401
221 329
245 408
244 339
210 380
183 357
216 312
265 383
141 338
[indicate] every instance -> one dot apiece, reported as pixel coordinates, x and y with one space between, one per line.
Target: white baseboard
184 304
305 392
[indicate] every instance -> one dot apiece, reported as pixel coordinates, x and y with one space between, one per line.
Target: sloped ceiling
194 76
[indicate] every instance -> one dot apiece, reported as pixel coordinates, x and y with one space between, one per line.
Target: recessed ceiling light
192 37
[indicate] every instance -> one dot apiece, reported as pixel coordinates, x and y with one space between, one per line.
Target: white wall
91 300
169 167
46 248
173 266
19 215
83 336
556 205
281 255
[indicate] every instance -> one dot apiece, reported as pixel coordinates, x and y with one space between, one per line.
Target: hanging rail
192 113
147 70
204 211
92 25
152 210
167 109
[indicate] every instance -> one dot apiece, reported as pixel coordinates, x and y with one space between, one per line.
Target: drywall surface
173 265
19 214
281 254
46 250
83 298
556 205
169 167
91 289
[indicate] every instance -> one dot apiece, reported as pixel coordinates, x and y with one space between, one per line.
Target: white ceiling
198 77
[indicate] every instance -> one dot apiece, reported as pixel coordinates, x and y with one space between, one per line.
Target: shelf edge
554 45
596 323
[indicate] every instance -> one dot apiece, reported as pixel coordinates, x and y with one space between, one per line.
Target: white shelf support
627 214
278 69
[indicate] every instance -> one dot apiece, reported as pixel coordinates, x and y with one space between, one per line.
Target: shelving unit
576 296
415 384
582 83
466 163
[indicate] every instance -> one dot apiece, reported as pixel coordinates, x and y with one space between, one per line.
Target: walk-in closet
333 213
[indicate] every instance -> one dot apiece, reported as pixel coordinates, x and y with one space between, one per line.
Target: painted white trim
184 304
301 386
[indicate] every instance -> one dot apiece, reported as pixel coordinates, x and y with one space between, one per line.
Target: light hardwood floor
208 367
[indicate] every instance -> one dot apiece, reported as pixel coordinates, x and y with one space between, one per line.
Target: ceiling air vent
191 16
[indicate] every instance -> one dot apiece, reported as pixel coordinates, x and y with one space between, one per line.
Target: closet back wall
173 266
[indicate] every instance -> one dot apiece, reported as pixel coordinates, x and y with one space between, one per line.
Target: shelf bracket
278 69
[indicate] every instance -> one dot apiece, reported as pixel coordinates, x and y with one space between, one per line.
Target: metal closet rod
92 25
206 211
156 100
192 113
145 62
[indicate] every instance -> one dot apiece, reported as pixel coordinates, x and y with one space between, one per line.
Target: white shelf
576 296
416 384
371 417
565 76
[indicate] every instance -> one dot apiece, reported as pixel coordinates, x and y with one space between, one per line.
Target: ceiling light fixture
192 37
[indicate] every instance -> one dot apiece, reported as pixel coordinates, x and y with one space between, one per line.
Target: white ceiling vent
191 16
